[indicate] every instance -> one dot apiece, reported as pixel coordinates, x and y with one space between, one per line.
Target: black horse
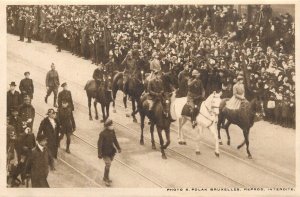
135 90
102 96
243 117
160 118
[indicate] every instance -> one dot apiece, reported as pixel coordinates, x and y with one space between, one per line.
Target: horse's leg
167 132
89 105
133 110
199 132
246 135
107 110
114 95
220 120
142 128
125 105
213 130
96 111
103 113
161 142
181 122
152 136
182 133
227 132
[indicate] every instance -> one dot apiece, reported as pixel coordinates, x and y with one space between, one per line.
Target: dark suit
26 112
52 134
66 95
26 87
106 142
13 101
38 167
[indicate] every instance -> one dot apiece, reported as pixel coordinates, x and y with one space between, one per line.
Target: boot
68 148
105 178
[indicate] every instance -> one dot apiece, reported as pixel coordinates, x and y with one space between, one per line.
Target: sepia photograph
184 98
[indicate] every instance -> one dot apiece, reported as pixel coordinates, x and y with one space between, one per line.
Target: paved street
272 146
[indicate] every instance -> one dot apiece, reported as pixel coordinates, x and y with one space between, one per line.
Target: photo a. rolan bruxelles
151 96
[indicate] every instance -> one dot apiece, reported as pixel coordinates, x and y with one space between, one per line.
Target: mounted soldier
195 95
99 75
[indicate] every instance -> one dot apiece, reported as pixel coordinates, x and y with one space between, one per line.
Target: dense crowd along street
206 65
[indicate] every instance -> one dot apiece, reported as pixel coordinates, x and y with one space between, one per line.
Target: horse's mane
117 76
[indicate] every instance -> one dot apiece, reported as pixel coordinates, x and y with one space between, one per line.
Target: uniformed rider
195 95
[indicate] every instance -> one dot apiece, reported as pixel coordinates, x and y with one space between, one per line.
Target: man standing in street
37 167
66 95
106 148
66 123
26 86
13 98
52 83
50 128
27 112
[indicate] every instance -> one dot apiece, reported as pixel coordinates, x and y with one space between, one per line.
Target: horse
160 119
135 90
103 97
243 117
206 118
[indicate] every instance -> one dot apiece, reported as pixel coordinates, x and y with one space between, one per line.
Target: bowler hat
64 84
12 83
108 122
41 137
50 111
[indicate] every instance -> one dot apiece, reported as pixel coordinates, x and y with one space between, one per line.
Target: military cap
27 73
108 122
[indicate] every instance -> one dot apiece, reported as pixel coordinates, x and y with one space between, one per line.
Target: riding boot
68 147
55 98
193 118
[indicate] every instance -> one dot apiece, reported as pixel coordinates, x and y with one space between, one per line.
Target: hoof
238 147
127 115
164 156
153 147
183 143
91 118
217 154
141 142
249 156
220 143
198 153
114 111
135 120
96 118
180 142
228 143
101 120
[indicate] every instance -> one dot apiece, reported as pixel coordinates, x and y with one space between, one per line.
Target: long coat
52 134
65 120
26 87
27 112
52 79
106 142
38 167
65 95
13 101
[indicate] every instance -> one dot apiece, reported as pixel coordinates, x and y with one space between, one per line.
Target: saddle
187 110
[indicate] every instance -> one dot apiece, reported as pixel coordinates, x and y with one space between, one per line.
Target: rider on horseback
99 74
238 94
130 64
195 95
155 89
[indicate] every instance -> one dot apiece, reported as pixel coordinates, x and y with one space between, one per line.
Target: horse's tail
87 84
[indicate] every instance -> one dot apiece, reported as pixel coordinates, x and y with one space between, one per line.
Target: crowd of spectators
215 39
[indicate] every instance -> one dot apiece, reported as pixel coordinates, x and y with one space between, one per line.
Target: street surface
272 146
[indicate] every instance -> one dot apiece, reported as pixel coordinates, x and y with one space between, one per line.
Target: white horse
206 118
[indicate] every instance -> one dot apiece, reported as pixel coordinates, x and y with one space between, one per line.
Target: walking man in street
52 83
13 98
66 95
106 148
66 124
26 86
37 167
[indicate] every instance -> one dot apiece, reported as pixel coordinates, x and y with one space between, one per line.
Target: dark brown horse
135 90
102 96
243 117
160 117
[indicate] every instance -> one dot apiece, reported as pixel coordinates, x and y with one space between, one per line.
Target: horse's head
170 81
214 101
166 103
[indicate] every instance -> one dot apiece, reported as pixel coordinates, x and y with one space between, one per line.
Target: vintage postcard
149 98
